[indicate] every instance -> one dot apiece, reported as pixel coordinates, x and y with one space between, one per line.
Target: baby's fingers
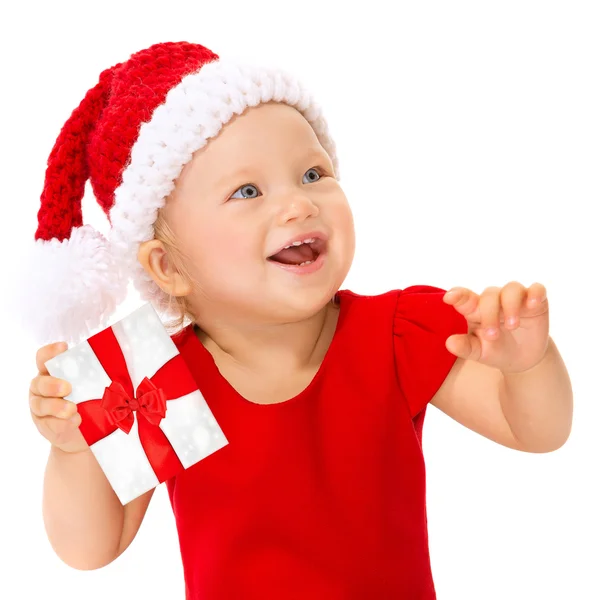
511 298
489 307
45 353
62 433
465 301
466 346
46 385
43 406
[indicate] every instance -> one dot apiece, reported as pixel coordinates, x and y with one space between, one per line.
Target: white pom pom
69 288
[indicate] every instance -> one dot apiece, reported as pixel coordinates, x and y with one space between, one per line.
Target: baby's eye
310 176
246 191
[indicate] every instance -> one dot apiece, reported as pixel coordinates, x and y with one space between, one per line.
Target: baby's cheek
340 216
227 250
232 253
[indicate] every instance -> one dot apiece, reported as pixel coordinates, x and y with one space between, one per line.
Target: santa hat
131 136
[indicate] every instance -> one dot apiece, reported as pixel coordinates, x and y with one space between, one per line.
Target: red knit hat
131 136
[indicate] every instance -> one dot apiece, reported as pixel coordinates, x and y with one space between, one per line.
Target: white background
469 142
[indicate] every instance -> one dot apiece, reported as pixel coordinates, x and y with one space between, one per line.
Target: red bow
149 401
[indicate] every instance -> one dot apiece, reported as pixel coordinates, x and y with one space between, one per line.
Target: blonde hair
181 310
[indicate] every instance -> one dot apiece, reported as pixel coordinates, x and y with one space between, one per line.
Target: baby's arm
86 524
509 383
529 411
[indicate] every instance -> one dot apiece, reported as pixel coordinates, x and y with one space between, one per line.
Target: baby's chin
279 306
271 295
300 299
297 304
263 303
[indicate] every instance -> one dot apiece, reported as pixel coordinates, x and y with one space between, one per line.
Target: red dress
321 496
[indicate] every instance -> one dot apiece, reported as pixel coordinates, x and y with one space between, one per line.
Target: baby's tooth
297 243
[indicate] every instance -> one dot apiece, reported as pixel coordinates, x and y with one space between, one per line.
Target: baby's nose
297 206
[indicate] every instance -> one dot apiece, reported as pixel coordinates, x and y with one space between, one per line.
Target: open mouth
300 253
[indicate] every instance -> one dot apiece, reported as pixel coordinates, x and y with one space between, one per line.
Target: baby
221 185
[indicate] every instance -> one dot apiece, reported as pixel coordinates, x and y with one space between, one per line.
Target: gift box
143 415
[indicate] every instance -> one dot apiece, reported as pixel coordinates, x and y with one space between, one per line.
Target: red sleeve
422 323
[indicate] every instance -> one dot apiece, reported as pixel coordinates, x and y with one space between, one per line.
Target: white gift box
139 439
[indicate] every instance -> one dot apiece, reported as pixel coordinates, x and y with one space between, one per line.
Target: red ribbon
149 401
101 417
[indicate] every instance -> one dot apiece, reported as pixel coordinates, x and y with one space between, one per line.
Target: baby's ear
153 256
145 254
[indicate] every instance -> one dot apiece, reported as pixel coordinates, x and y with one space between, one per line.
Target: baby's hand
508 327
57 419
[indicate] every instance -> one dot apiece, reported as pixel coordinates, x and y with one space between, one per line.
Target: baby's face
262 184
